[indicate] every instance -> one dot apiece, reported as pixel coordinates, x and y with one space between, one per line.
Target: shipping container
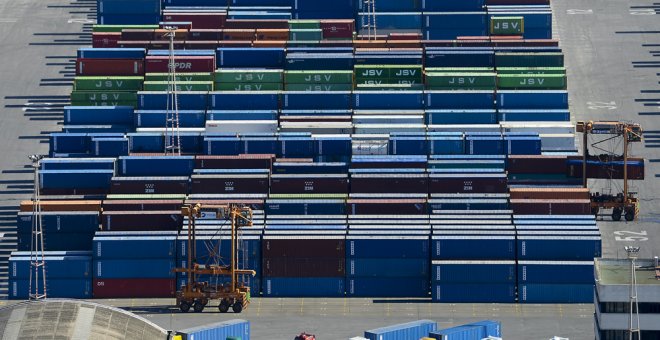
409 330
473 292
134 288
303 287
556 293
232 329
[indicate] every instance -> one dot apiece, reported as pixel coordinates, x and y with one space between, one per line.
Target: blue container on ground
387 287
556 293
453 58
486 145
559 247
158 118
60 222
58 267
383 246
75 179
461 117
223 146
555 272
58 241
110 147
493 328
522 145
77 164
387 267
465 332
303 286
473 271
69 143
157 100
221 330
242 115
408 146
538 99
319 61
111 53
473 247
452 6
409 330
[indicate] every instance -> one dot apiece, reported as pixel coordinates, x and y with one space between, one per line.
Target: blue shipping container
222 330
303 287
409 330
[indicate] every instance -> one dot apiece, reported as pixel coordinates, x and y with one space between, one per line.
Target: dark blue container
158 118
484 145
242 115
387 287
222 330
555 272
556 293
109 147
157 100
69 143
58 267
111 53
60 222
382 246
455 21
75 179
559 247
533 115
319 61
409 330
394 21
461 117
77 164
223 146
522 145
461 58
460 100
300 100
395 6
134 268
264 100
473 247
310 168
453 34
191 142
156 165
446 144
303 286
408 146
474 271
389 59
58 241
305 207
334 146
465 332
391 100
473 292
538 99
387 267
452 6
146 142
263 145
128 7
228 57
137 247
80 288
126 19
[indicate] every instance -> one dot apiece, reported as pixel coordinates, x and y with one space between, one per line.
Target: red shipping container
161 34
184 25
336 43
140 205
105 40
229 184
304 267
387 183
160 64
338 28
201 44
109 67
536 164
303 247
133 44
256 161
205 34
207 20
133 288
257 24
309 184
451 184
137 34
550 193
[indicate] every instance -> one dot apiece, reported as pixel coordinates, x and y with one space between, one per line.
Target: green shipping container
389 87
304 24
243 76
104 96
183 86
387 82
318 77
108 83
526 81
507 25
248 87
311 34
460 81
531 70
318 87
545 59
118 28
179 77
459 70
103 103
370 72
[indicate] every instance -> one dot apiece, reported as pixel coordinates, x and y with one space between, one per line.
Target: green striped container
321 196
545 59
389 72
179 77
460 81
507 25
118 28
103 96
183 86
304 24
318 77
248 87
244 76
103 103
178 197
318 87
534 81
306 34
389 87
108 83
459 70
531 70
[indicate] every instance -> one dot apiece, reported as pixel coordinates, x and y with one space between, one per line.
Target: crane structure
624 203
197 294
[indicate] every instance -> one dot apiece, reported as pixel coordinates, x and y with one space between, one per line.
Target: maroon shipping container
255 161
229 184
254 204
605 169
139 205
205 34
387 206
177 25
389 183
338 28
204 20
550 193
467 183
165 45
133 44
303 246
551 207
162 34
309 184
141 220
239 34
303 267
388 165
137 34
272 34
133 288
105 40
109 67
536 164
150 185
257 24
159 64
201 44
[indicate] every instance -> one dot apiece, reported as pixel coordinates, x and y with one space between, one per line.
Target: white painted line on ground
7 21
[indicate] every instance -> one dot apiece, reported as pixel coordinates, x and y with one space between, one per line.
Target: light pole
37 263
633 253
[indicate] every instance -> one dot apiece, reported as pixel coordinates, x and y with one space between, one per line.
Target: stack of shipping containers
426 142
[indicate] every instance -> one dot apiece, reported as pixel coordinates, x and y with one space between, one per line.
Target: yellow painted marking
302 304
259 307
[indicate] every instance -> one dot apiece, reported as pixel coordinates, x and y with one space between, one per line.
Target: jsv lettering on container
109 83
406 73
462 80
319 88
104 97
532 81
506 25
318 78
249 77
371 73
248 87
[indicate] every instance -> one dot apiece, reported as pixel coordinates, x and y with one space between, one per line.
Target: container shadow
34 98
157 309
418 300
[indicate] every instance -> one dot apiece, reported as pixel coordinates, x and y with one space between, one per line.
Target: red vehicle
305 336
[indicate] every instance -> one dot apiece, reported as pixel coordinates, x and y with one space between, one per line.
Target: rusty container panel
303 267
303 247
